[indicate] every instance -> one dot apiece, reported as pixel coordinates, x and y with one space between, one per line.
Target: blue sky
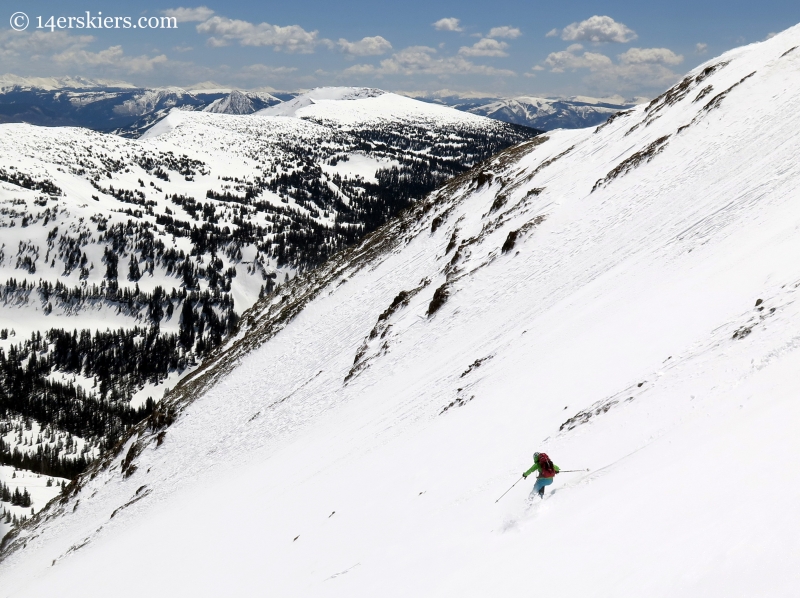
502 47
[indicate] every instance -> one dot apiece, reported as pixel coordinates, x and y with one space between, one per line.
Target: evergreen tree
133 269
111 260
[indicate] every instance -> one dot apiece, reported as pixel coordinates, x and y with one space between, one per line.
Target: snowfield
625 299
355 107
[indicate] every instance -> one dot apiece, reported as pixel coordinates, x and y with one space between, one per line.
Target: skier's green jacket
536 468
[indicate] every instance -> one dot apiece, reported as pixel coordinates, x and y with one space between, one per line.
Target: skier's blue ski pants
540 484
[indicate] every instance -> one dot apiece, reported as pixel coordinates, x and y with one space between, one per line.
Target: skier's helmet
535 457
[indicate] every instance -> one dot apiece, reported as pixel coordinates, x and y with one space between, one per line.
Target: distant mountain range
545 114
113 107
126 110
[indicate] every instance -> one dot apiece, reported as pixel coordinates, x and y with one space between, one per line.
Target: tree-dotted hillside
125 263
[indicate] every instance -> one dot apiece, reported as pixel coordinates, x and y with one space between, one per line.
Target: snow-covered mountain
124 262
545 114
235 102
10 82
624 298
328 94
549 114
109 106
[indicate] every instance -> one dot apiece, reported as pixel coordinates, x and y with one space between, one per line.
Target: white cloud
770 35
553 33
636 69
368 46
361 69
69 53
650 55
424 60
597 30
112 57
566 60
34 46
701 48
485 47
291 38
448 24
189 15
259 71
504 32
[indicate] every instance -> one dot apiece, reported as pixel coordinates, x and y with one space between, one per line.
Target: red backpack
546 467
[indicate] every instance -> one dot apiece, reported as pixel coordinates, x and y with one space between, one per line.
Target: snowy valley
125 262
624 298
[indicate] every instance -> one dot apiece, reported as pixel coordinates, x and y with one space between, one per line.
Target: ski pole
509 490
571 470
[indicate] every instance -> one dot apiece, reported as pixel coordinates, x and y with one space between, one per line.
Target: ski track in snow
623 310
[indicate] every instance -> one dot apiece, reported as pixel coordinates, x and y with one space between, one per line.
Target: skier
547 471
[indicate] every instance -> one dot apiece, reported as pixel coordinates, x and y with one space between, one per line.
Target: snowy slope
625 299
320 94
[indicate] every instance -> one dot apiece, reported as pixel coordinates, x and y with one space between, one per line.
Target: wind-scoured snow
625 299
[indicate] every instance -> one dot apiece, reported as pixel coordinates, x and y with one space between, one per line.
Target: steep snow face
234 103
237 102
625 299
